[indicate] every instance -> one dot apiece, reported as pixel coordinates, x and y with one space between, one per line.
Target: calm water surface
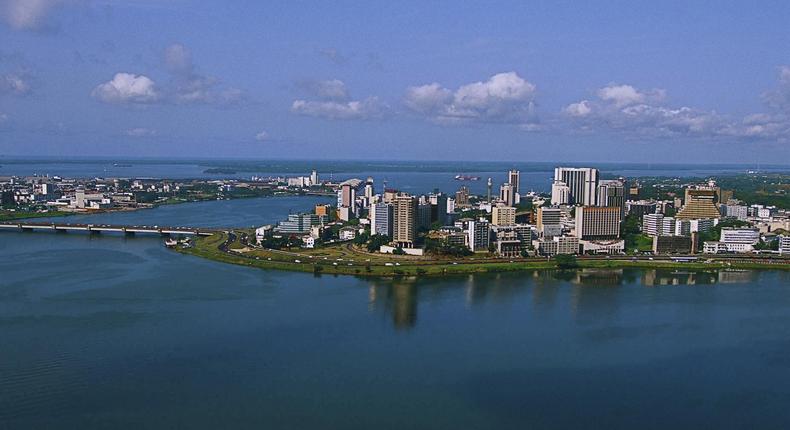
108 332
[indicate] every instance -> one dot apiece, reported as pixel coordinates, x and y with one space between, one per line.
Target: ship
466 178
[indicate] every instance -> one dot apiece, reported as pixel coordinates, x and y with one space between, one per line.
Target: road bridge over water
106 228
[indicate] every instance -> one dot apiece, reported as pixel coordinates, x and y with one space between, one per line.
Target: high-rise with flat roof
582 184
381 221
404 220
514 179
503 215
597 223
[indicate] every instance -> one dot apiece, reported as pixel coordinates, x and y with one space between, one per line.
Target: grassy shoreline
209 248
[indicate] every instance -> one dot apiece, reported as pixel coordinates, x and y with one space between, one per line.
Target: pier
106 228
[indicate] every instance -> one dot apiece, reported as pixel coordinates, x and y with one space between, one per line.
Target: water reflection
588 291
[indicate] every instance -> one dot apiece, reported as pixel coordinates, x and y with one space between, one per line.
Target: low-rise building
558 245
671 244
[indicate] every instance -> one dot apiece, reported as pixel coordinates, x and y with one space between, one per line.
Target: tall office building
560 193
597 223
503 215
582 184
438 207
381 221
611 192
369 188
548 223
462 196
507 194
514 179
479 235
314 178
423 218
404 220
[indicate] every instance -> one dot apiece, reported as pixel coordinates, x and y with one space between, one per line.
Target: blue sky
543 81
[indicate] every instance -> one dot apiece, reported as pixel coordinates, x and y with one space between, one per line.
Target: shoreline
221 248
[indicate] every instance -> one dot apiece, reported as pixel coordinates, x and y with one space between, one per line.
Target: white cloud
579 109
505 97
140 132
779 97
624 95
127 88
189 86
26 14
355 109
14 84
333 89
262 136
186 86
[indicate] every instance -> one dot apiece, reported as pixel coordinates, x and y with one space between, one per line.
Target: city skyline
532 82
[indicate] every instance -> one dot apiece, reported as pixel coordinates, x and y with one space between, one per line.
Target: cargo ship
466 178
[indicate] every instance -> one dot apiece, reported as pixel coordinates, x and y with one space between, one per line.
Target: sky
615 81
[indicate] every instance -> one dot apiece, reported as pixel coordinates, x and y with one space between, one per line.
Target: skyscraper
381 219
514 179
611 192
560 193
582 184
507 194
404 218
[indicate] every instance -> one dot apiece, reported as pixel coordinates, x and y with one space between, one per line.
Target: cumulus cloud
779 97
627 109
505 97
262 136
189 86
14 84
140 132
127 88
355 109
26 14
580 109
186 85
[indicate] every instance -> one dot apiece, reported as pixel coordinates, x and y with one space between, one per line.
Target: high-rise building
653 224
560 193
314 178
381 219
597 223
507 194
424 210
438 207
369 188
611 192
699 204
479 235
548 222
503 215
514 179
462 197
404 220
582 183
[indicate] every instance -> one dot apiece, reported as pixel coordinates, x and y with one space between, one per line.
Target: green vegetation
348 259
635 241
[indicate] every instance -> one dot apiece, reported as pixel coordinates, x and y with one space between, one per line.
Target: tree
565 261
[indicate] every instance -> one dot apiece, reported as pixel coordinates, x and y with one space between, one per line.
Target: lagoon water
111 332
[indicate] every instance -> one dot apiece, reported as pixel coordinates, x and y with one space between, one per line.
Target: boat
466 178
171 243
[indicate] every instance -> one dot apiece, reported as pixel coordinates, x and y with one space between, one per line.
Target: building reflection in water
398 297
596 291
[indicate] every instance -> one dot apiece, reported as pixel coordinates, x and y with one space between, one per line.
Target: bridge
107 228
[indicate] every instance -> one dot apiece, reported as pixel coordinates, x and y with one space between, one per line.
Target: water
107 332
413 177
